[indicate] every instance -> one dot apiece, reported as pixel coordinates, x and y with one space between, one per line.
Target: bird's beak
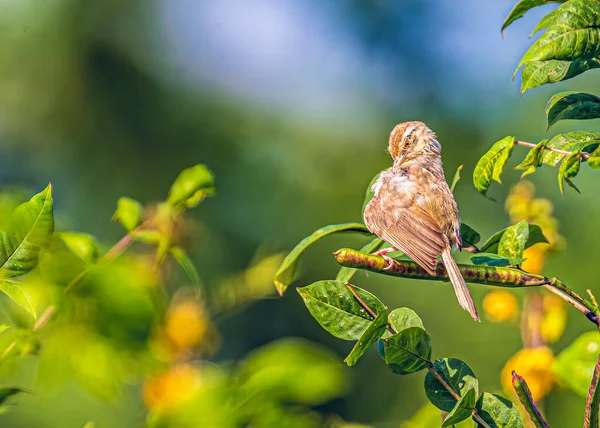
397 162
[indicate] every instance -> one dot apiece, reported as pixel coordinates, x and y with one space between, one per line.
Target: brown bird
413 208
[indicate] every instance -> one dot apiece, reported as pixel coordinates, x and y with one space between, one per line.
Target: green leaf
538 73
569 168
513 240
533 160
403 318
572 105
346 273
548 20
594 159
491 164
592 402
535 236
526 400
128 213
20 295
6 393
370 336
191 186
287 270
571 142
3 328
456 178
181 257
369 192
573 35
289 370
468 236
151 237
29 229
457 374
408 351
336 309
522 7
491 259
574 366
463 408
82 245
498 412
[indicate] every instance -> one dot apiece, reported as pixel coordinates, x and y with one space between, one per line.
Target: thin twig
551 149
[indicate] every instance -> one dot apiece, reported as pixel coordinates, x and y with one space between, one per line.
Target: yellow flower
535 258
171 388
186 325
500 306
554 321
535 366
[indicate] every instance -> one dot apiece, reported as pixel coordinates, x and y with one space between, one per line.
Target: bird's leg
383 253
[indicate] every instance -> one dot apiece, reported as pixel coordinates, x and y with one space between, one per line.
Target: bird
413 208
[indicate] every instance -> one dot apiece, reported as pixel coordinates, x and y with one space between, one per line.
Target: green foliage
538 73
491 164
572 105
370 336
575 364
570 142
128 213
455 373
526 400
29 229
191 187
456 178
569 168
522 7
463 408
469 236
513 240
533 160
333 305
491 259
534 233
497 411
407 351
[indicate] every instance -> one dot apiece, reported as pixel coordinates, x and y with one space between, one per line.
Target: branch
486 275
550 149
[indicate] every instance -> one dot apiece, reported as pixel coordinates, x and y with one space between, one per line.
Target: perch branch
550 149
487 275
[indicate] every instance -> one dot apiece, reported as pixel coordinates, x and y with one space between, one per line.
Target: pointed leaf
526 400
29 229
456 178
191 186
498 412
181 257
370 336
457 374
463 408
522 7
20 295
287 270
513 240
491 164
469 236
128 213
6 393
491 259
594 160
535 236
572 105
336 309
573 35
593 400
571 142
403 318
82 245
574 366
538 73
408 351
569 168
548 20
346 273
533 160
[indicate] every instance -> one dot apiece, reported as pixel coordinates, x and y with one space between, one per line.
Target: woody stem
550 149
485 275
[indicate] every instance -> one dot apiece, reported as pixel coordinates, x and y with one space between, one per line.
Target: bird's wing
411 230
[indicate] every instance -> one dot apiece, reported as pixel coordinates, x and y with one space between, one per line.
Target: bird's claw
391 262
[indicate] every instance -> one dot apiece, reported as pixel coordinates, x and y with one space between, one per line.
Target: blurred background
290 104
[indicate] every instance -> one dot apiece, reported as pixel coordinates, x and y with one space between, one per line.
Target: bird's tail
460 287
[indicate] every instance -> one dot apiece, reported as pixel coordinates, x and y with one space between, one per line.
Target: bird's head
409 140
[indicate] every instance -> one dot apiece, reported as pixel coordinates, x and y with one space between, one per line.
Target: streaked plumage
413 207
